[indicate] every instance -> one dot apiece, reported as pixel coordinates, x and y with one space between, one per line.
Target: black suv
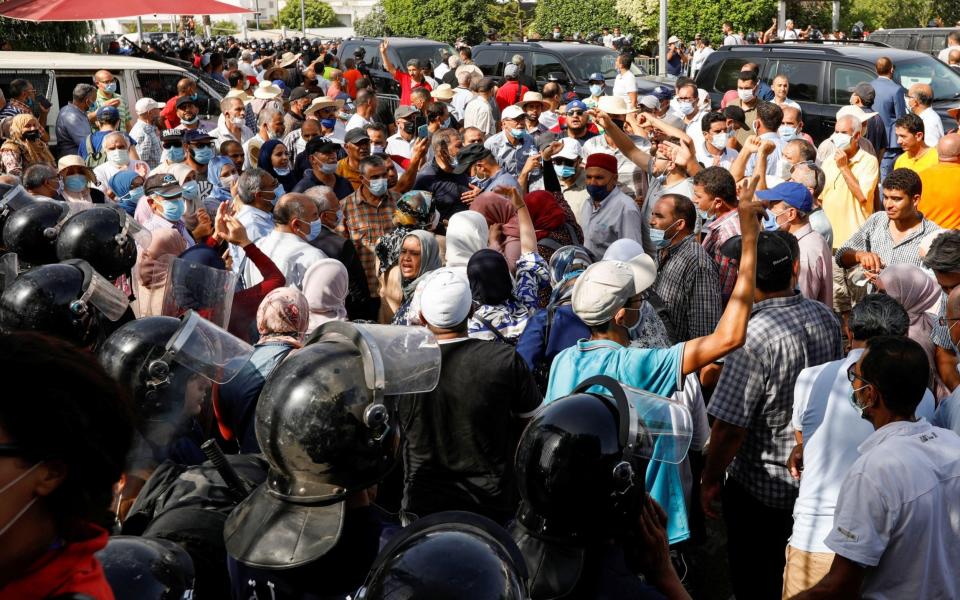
400 49
822 76
572 62
930 40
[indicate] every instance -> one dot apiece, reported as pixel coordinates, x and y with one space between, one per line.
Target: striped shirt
714 235
689 285
365 222
874 236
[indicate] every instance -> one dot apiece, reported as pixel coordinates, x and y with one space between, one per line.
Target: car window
804 76
925 43
159 85
544 64
926 69
39 78
595 61
489 61
842 81
898 40
371 55
429 52
728 73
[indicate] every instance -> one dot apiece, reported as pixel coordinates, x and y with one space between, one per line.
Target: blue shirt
566 329
655 370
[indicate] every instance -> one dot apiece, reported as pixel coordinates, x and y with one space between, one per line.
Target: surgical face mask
446 122
111 88
282 171
783 168
564 171
202 155
704 215
238 121
173 209
228 181
556 35
719 140
128 201
339 218
191 191
23 510
856 404
175 154
598 192
684 108
118 157
596 90
841 141
378 187
315 228
192 121
277 193
787 132
745 95
658 236
75 183
328 168
376 149
518 134
770 221
328 123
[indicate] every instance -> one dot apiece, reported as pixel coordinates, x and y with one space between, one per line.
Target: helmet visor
206 290
660 428
105 297
208 350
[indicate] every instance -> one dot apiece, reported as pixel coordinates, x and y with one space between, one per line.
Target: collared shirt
939 199
289 252
932 126
258 224
478 113
875 237
841 206
511 157
365 223
103 98
222 134
458 105
148 142
397 146
821 406
784 336
724 159
616 218
773 160
898 514
816 268
501 178
349 173
919 163
156 223
73 127
688 282
715 234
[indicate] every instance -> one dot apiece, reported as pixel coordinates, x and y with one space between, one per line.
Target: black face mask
31 136
409 128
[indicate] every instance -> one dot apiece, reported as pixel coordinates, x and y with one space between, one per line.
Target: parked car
55 74
930 40
571 62
822 76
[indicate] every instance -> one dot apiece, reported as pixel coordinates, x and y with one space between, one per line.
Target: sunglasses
575 113
202 145
168 145
564 162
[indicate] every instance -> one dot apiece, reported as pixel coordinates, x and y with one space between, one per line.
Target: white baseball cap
145 105
445 299
511 112
571 149
851 109
606 286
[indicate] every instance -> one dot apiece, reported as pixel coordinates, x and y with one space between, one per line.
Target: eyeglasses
575 113
852 375
564 162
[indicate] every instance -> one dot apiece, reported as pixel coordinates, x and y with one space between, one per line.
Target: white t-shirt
832 430
944 55
624 84
899 515
397 146
932 127
699 56
357 122
787 34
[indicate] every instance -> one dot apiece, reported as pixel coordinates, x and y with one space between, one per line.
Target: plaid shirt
874 236
755 391
365 223
715 234
689 285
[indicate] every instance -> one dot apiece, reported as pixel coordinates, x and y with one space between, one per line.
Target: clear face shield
132 229
109 300
206 290
205 349
15 199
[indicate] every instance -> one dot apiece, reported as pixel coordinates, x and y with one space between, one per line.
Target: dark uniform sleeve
358 294
527 397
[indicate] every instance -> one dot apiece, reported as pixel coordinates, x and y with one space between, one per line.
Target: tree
53 37
441 20
374 24
319 14
509 19
576 16
707 16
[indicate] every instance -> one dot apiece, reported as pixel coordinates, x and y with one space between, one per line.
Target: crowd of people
492 342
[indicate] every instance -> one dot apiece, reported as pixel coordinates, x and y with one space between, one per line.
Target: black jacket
340 248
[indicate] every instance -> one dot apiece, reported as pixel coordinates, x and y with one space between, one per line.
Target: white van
55 74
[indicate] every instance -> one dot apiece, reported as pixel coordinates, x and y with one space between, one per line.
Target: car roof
866 52
65 60
399 41
559 47
917 30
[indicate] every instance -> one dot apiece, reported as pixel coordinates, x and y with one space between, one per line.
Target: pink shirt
816 266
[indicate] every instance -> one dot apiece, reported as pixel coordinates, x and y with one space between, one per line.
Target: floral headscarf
34 152
283 316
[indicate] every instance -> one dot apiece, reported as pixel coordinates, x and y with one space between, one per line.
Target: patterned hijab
283 316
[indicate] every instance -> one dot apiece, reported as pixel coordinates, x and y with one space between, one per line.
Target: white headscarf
326 285
467 232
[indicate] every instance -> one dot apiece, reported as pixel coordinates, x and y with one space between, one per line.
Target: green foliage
318 13
707 16
224 27
510 19
892 13
72 36
441 20
374 24
574 16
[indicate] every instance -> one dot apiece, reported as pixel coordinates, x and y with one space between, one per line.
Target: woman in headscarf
222 174
919 295
504 231
467 234
326 285
127 188
419 255
653 330
25 146
504 306
76 178
282 320
274 158
414 211
150 272
554 222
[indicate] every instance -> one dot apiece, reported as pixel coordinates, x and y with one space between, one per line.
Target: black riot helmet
142 568
448 556
68 300
12 198
326 425
104 237
32 231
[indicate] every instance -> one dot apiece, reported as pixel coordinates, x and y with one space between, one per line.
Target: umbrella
90 10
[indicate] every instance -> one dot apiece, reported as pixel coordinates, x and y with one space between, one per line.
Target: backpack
94 159
510 341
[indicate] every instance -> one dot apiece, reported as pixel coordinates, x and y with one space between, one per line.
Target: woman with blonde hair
25 146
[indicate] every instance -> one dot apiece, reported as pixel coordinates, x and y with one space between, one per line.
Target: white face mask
783 168
745 95
684 108
23 510
118 157
719 140
841 141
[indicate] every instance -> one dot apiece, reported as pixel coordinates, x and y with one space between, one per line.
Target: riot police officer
31 231
327 424
104 236
141 568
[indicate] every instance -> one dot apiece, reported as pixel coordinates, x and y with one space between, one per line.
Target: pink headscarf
326 285
283 316
150 273
497 209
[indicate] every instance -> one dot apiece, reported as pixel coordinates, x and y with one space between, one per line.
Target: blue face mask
203 155
599 193
378 187
328 123
315 228
111 88
129 201
564 171
175 154
596 90
658 236
787 133
191 191
518 134
173 209
75 183
277 193
770 221
704 215
282 171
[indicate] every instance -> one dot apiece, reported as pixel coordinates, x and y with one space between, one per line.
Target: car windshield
596 61
429 52
926 69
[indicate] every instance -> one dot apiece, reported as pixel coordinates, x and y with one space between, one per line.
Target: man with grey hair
461 95
811 177
943 258
232 123
256 190
269 127
42 180
342 249
296 223
73 126
821 406
522 77
919 100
